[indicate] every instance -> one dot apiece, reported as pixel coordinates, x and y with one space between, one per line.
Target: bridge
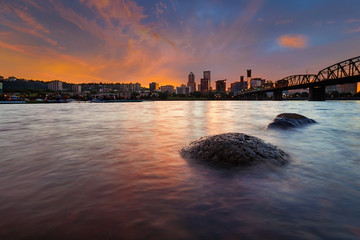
347 71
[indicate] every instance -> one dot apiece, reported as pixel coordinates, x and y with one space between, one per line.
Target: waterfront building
129 87
55 85
183 89
76 88
243 84
249 77
191 82
221 86
207 76
256 82
236 87
153 86
349 87
167 88
204 85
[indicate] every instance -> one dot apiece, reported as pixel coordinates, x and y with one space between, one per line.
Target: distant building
129 87
183 89
153 86
1 78
349 87
1 88
235 87
256 82
104 90
204 85
191 82
243 84
76 88
330 89
167 88
221 86
55 85
207 76
248 77
12 79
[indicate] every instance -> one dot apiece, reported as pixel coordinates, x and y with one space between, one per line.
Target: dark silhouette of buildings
236 87
153 86
191 82
205 83
221 86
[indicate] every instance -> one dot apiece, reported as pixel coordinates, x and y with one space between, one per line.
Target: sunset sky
146 40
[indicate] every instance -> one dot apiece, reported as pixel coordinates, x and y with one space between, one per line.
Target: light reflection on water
112 171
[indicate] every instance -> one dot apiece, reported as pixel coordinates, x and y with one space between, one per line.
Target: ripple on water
114 171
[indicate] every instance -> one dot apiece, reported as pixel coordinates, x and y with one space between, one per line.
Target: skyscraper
204 85
191 82
207 76
249 77
221 86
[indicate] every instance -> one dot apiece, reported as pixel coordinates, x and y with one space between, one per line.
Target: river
113 171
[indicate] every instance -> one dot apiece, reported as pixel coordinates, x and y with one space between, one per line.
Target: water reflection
71 171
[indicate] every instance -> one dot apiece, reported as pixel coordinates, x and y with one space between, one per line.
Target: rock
234 149
290 120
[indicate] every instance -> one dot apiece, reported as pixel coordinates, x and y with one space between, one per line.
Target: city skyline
162 41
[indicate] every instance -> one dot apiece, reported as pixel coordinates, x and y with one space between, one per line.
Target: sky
82 41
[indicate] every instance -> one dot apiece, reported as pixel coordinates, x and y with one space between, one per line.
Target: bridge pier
317 93
277 95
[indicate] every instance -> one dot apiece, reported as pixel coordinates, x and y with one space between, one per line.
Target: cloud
354 30
283 22
14 47
353 20
24 23
292 41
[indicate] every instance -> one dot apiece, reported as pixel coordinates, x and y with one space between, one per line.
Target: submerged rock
290 120
234 149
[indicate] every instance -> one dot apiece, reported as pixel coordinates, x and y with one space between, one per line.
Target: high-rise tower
191 82
207 76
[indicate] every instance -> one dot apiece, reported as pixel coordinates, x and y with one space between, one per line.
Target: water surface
113 171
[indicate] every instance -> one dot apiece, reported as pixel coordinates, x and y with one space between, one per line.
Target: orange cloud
14 47
292 41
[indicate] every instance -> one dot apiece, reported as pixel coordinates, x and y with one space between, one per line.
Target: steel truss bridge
347 71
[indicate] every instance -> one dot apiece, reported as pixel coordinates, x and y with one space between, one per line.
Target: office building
153 86
129 87
55 85
349 87
183 89
167 88
256 82
204 85
76 88
248 77
221 86
191 82
235 87
207 76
